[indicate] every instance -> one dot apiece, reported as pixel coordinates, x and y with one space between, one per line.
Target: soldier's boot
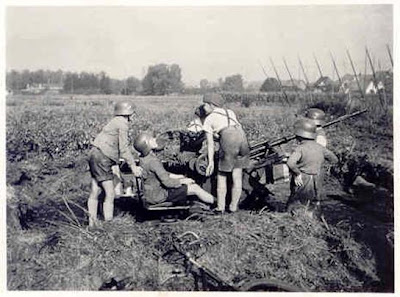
362 183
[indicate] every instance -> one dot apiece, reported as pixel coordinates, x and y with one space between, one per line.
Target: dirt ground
359 213
365 214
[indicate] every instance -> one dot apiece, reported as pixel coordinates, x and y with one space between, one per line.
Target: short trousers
234 149
307 194
100 165
178 195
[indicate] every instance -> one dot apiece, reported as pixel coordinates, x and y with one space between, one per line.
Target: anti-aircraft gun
185 152
262 153
267 161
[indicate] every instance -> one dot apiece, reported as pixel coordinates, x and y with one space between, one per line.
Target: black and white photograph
199 147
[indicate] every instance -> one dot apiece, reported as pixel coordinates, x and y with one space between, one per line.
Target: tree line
160 79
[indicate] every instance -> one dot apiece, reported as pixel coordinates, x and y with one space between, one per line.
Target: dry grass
295 249
55 253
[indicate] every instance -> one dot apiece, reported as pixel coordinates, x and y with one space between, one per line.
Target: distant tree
175 79
38 77
220 83
104 83
71 83
204 84
131 85
233 83
270 85
14 81
162 79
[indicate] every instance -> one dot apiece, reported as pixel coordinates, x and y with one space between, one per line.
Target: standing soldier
305 164
233 151
109 145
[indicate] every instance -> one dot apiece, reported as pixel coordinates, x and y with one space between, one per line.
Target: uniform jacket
156 179
308 158
113 140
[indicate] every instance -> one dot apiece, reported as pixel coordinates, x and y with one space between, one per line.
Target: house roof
323 80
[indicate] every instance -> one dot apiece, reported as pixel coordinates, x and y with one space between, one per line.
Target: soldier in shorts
109 146
233 154
305 165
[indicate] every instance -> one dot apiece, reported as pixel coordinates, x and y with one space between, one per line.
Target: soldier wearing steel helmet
318 117
160 185
108 147
305 165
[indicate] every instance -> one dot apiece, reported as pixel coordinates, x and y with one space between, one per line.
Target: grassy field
50 248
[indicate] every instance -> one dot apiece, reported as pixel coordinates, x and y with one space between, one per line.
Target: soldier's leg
221 190
117 180
195 189
93 202
108 206
236 188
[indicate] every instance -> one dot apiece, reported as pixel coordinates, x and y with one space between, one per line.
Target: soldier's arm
292 161
330 156
163 175
124 149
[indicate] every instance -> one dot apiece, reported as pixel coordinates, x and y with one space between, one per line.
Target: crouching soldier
160 185
305 164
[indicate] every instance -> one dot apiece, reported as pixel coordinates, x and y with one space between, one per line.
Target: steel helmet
214 98
141 144
317 115
123 109
305 128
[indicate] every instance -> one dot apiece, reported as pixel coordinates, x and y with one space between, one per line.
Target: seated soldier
160 185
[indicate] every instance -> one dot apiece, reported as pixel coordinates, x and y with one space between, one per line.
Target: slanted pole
308 88
280 82
290 75
263 69
336 69
355 74
304 73
390 54
319 67
381 98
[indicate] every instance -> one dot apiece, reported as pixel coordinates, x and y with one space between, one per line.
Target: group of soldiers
219 124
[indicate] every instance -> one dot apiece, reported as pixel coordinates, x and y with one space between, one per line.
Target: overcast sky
207 42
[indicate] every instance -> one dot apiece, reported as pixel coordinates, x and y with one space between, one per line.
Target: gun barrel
259 148
345 117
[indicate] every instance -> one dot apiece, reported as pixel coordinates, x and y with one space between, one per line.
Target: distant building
366 84
324 84
373 89
41 89
294 85
384 81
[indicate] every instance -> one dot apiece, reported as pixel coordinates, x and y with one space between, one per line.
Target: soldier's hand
137 171
186 181
210 168
298 180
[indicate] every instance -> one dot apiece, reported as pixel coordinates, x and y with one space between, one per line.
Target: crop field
49 246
